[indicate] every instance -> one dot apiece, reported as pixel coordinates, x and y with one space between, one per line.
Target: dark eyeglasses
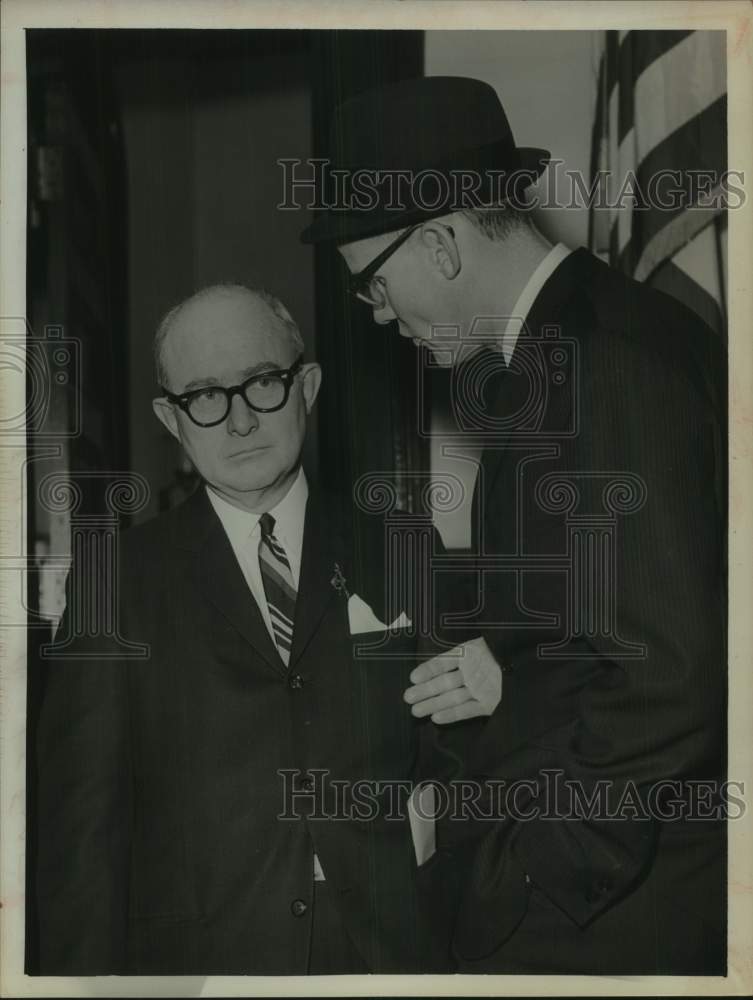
367 285
264 393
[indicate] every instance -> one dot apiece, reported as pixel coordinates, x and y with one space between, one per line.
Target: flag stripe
629 54
689 60
700 144
700 67
660 116
638 51
673 280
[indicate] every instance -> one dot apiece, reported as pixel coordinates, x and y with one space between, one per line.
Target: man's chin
445 353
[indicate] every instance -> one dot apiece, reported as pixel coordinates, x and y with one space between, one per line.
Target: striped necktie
279 586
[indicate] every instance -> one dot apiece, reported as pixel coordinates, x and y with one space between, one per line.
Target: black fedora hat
415 150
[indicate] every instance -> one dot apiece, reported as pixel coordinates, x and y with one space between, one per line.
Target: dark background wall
166 146
204 121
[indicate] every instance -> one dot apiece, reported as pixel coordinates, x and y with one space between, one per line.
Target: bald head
210 315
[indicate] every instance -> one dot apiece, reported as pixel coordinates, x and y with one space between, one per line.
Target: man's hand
463 683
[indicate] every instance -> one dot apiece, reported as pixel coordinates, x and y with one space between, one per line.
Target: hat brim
341 226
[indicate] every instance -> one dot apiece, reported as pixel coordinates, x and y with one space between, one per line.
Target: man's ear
165 413
439 240
311 379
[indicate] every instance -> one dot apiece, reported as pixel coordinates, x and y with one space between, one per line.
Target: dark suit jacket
611 378
161 847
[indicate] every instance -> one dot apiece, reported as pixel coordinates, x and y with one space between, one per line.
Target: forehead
222 334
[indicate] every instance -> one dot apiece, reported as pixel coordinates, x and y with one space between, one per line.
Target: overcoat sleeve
83 808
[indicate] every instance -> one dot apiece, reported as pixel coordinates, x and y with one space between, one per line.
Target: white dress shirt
526 299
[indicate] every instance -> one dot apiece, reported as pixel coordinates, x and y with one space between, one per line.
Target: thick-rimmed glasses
367 285
264 393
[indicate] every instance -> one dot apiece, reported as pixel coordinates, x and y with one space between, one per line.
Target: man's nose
241 419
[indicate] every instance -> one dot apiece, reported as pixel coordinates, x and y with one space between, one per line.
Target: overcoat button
298 907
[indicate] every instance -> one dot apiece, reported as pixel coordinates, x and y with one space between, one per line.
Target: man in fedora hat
598 568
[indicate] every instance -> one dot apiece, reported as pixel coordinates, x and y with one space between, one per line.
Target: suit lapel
323 548
219 576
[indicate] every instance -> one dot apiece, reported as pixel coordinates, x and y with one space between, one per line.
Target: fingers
442 702
468 710
463 683
435 667
435 686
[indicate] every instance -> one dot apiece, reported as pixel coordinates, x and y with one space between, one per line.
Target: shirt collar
526 299
289 516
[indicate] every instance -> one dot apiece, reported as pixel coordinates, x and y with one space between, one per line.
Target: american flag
661 116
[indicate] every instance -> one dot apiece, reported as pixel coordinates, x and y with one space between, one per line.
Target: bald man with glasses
188 819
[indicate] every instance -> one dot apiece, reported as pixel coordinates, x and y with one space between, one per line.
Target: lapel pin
339 582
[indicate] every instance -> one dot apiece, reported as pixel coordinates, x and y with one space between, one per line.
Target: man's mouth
247 452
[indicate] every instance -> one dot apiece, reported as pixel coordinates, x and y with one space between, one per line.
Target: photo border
734 16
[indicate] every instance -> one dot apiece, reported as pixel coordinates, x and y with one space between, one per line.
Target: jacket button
595 892
296 681
298 907
308 785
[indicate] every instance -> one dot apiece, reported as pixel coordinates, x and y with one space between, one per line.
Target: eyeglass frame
286 376
356 282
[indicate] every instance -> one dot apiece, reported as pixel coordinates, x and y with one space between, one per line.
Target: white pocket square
422 810
362 619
